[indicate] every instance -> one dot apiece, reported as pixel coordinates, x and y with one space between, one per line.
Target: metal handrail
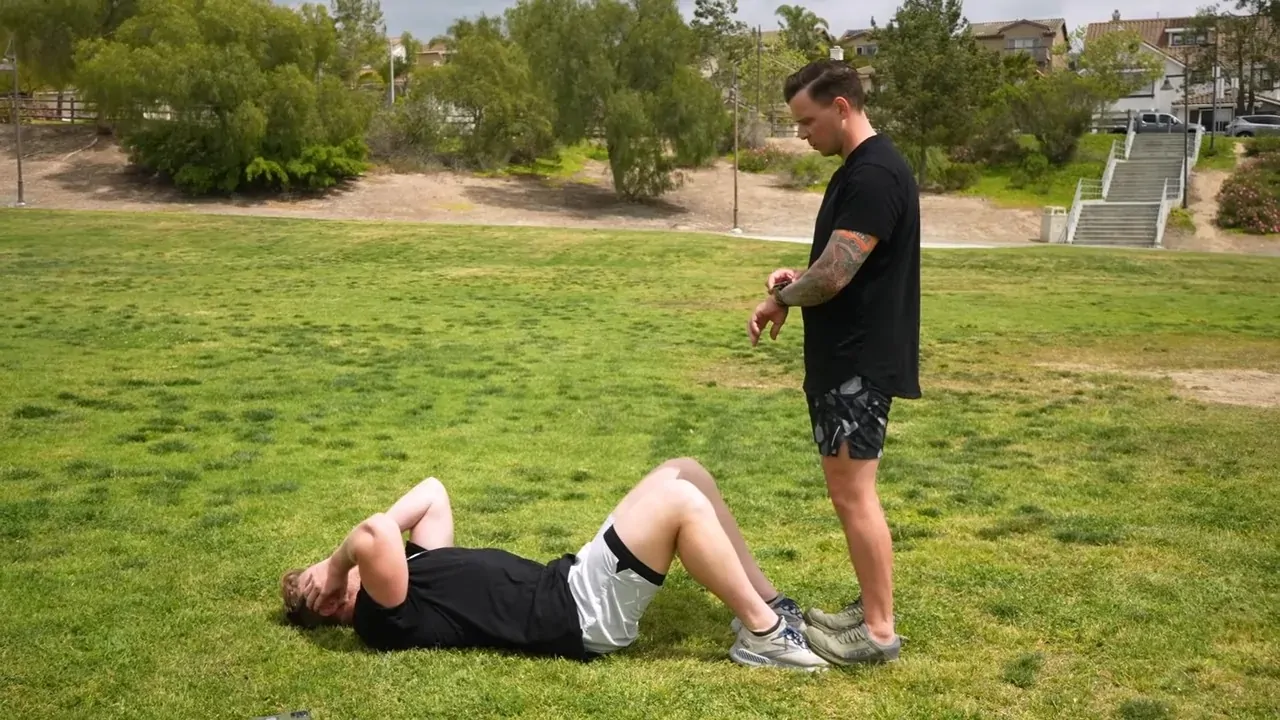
1113 160
1166 206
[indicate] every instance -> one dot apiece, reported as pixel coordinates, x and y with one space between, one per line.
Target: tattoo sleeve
835 268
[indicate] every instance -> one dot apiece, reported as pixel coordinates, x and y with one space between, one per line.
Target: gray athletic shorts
612 590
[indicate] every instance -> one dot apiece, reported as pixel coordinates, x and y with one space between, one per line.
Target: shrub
1250 200
1262 146
1032 172
766 159
958 176
811 169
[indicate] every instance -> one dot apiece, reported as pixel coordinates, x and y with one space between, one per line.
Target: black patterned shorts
854 413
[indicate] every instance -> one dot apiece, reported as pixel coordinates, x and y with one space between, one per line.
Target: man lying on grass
428 594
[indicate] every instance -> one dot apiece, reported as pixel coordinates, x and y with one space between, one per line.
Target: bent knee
691 470
687 496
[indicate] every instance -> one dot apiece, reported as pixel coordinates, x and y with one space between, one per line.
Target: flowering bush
1250 198
1250 201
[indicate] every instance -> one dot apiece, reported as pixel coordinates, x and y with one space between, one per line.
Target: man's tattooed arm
835 268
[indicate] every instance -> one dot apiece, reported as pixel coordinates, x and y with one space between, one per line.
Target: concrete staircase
1128 210
1120 224
1142 178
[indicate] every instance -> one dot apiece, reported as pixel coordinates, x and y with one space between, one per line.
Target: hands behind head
325 591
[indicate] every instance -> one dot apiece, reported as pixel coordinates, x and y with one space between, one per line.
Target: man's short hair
295 604
827 80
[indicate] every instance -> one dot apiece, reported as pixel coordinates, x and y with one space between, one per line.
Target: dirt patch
734 375
1254 388
72 169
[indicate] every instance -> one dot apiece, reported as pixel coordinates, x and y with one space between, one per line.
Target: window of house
1187 37
865 50
1023 43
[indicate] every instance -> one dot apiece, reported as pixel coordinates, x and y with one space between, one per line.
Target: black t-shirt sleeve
873 203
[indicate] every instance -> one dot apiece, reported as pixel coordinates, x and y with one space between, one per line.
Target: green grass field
193 405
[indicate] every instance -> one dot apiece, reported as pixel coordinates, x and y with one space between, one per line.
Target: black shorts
854 413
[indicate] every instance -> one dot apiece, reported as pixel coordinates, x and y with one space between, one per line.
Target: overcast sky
432 17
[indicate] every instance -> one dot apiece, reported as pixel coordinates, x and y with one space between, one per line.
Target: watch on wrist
777 292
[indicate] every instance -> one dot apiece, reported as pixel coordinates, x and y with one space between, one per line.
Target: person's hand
766 312
777 276
314 574
327 598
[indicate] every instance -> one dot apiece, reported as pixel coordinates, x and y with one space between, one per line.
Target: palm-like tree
802 29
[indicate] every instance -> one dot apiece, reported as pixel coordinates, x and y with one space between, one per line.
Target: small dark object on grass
295 715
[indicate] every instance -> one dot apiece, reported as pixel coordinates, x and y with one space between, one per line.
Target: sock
770 631
775 599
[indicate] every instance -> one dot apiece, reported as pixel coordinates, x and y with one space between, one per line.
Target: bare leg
665 516
694 472
426 513
852 485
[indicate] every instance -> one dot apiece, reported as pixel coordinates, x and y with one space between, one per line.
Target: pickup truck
1156 122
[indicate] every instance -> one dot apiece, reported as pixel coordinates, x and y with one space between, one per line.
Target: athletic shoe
784 647
833 623
852 646
786 608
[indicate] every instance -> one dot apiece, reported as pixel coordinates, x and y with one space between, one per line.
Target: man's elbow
377 530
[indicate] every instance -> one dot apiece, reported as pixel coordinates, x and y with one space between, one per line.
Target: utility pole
391 51
735 149
1186 132
759 68
16 116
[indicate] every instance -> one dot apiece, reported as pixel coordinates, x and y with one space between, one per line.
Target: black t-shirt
872 327
477 598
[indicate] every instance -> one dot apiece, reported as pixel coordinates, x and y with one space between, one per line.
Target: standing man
860 299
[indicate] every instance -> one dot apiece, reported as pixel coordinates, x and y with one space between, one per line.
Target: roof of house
1052 26
1153 31
1225 100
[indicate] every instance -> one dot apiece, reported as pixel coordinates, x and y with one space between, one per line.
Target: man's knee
686 497
692 471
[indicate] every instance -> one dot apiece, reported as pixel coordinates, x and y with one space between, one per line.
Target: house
1046 41
1209 101
433 56
1041 39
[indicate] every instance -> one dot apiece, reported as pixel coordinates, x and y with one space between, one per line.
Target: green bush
1032 172
811 169
245 107
958 176
637 155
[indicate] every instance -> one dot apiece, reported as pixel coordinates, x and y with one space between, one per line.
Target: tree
803 30
405 61
221 96
47 32
720 34
1114 65
488 79
931 77
1242 47
361 37
723 40
628 67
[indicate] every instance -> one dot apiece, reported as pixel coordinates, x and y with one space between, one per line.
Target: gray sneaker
783 648
852 646
850 617
786 608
